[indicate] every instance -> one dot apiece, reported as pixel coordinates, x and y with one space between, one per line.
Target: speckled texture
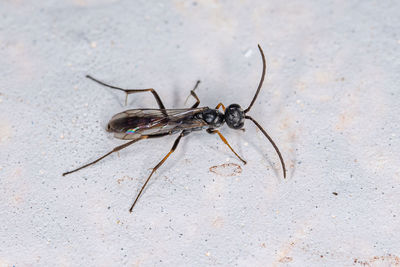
331 102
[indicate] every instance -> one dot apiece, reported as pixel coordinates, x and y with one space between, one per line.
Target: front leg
220 105
213 131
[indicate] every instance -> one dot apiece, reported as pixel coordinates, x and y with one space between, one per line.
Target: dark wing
133 123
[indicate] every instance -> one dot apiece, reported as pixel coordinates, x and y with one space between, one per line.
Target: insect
145 123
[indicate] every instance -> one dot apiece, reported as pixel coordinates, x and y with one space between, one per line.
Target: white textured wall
331 101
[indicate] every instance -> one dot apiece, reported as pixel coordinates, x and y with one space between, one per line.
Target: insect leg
213 131
131 91
157 166
118 148
192 93
220 105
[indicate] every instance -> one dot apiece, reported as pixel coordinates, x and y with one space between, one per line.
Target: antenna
261 81
272 142
255 122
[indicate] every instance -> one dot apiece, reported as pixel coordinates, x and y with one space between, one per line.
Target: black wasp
138 124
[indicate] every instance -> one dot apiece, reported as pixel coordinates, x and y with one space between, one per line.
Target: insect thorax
213 117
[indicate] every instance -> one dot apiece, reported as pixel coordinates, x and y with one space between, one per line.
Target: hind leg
131 91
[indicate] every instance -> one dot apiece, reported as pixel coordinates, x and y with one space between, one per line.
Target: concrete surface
331 102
